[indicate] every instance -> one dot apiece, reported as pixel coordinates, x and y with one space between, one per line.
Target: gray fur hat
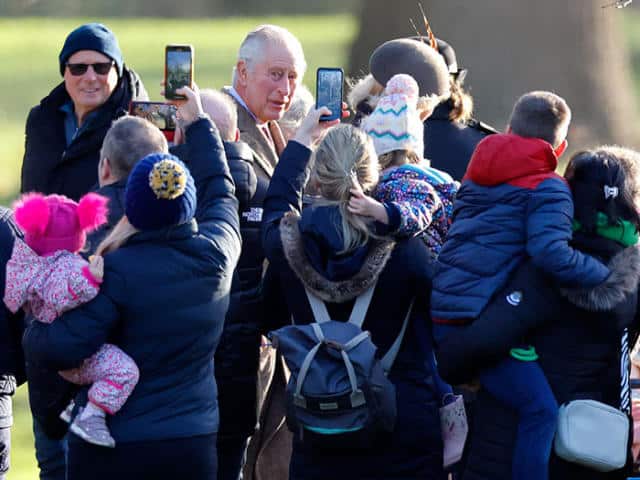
415 58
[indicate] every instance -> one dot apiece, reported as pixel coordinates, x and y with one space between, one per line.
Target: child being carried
47 277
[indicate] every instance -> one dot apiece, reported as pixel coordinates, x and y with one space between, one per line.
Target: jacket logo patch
514 298
253 215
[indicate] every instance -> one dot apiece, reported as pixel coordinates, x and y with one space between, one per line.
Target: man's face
268 86
89 90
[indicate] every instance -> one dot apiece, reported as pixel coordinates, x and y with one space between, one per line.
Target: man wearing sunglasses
65 131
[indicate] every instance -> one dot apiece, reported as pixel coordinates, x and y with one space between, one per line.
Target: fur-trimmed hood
335 291
623 280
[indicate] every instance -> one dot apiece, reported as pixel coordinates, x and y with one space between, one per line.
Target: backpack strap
359 311
358 314
319 309
362 305
392 353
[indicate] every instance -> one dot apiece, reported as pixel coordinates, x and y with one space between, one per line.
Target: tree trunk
574 48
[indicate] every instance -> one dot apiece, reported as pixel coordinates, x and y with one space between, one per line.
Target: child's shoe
67 414
93 429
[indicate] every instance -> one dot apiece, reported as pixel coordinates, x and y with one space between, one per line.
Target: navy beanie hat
91 36
160 193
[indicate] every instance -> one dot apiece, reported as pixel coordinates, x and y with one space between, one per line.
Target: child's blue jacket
511 205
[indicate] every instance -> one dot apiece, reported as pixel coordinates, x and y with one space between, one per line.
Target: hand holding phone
312 127
178 70
329 83
191 109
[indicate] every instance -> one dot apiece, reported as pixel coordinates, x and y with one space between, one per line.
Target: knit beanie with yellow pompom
160 193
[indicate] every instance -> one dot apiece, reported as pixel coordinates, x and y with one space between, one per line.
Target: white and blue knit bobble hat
395 123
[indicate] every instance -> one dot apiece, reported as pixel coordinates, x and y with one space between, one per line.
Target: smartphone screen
329 91
178 69
162 115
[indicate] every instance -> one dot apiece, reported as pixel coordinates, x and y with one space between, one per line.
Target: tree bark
574 48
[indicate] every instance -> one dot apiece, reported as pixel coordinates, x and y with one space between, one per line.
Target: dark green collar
623 232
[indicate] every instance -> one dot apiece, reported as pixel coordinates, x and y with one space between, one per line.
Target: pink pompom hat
54 222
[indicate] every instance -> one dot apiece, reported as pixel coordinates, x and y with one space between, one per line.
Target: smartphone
178 70
329 91
162 115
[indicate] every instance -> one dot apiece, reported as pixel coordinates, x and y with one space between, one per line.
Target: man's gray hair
301 103
222 111
129 140
253 46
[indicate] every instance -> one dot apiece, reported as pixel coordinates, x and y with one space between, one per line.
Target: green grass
23 461
30 50
29 71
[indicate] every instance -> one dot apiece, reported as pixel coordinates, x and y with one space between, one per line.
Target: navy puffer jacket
163 301
510 206
237 353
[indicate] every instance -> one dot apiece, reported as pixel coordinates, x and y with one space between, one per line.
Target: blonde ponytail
118 236
345 156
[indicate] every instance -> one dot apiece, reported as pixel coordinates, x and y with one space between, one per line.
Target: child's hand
96 266
363 205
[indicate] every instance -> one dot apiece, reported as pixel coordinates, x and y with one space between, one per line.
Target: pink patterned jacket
47 286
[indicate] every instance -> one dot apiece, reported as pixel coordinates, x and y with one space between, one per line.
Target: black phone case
336 111
171 84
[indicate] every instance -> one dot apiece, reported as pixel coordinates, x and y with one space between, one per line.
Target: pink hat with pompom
395 123
54 222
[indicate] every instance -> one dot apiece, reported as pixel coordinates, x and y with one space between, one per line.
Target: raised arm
217 211
549 216
289 179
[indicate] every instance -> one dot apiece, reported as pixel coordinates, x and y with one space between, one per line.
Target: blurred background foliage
173 9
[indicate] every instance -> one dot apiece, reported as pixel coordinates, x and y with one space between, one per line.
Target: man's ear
237 137
104 169
242 72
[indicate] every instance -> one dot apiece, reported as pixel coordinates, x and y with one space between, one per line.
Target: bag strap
625 368
390 356
358 313
361 306
318 308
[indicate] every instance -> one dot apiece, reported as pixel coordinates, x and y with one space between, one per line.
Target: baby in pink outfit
47 277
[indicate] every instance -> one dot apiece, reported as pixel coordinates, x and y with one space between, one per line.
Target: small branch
618 4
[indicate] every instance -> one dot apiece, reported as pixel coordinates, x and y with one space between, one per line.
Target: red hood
508 158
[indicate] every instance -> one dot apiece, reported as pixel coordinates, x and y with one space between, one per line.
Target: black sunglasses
77 69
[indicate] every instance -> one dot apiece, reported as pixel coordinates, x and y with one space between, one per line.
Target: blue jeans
523 387
50 454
